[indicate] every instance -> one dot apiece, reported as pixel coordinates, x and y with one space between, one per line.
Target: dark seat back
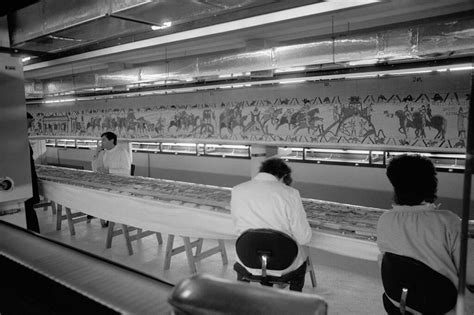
429 292
132 169
205 294
280 249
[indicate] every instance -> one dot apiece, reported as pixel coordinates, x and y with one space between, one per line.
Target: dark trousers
297 278
31 218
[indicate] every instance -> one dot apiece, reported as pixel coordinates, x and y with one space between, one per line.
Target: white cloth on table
428 235
150 215
117 161
265 202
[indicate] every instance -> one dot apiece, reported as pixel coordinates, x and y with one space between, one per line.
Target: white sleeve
299 225
97 160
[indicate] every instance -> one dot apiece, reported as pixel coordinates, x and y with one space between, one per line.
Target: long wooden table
198 211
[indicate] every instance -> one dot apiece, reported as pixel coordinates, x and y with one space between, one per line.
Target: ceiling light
295 69
363 62
25 59
160 27
461 68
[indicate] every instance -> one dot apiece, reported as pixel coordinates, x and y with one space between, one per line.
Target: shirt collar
424 206
265 176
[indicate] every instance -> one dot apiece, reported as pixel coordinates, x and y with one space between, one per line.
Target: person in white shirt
110 158
267 201
416 228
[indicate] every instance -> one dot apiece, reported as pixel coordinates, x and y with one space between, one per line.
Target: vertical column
257 156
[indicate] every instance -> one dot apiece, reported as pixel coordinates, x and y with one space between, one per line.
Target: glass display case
150 147
86 144
227 150
50 142
448 162
444 162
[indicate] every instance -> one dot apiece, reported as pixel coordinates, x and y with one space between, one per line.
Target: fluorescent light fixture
294 69
238 86
223 76
25 59
189 80
292 81
363 62
225 86
402 72
361 76
160 27
63 100
461 68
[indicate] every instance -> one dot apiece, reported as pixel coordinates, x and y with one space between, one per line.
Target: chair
205 294
268 249
415 286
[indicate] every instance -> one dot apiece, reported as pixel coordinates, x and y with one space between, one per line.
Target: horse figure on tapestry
231 118
418 123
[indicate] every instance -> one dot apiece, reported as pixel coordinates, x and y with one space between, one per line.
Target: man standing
110 158
267 201
31 218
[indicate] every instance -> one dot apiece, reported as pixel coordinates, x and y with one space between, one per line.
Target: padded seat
415 286
205 294
268 249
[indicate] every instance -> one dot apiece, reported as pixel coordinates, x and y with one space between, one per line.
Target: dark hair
277 168
110 135
413 178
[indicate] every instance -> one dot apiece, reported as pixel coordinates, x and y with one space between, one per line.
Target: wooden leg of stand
169 249
223 252
69 221
159 238
127 239
189 254
59 218
110 234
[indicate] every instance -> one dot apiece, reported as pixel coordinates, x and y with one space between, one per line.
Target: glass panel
442 161
291 153
146 147
335 155
90 144
227 150
69 143
179 148
50 142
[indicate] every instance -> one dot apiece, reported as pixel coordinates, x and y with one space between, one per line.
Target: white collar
265 176
422 206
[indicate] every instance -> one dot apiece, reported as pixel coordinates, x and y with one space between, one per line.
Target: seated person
111 158
267 201
416 228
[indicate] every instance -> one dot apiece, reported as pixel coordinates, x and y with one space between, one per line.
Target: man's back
264 202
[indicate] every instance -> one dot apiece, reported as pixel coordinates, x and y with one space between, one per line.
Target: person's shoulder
242 185
448 216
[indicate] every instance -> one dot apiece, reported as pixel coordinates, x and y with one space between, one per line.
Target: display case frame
378 158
